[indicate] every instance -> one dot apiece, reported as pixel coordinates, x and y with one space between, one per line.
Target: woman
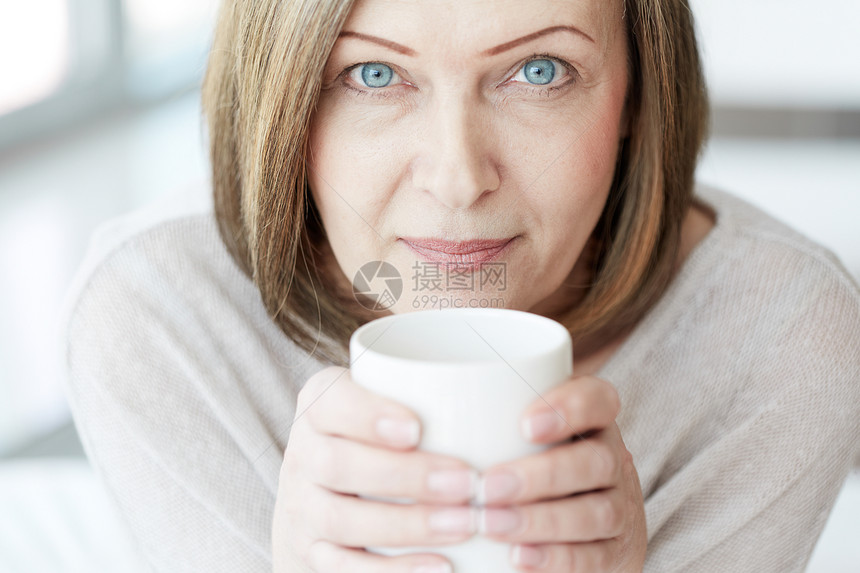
716 349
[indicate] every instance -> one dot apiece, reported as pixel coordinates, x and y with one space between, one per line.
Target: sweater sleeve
174 434
757 498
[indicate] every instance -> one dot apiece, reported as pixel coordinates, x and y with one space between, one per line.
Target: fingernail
541 425
528 556
453 482
457 520
438 568
499 521
497 486
398 432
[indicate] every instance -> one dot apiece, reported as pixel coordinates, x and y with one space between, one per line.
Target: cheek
355 154
362 135
568 176
578 135
582 181
595 154
336 170
326 164
352 170
570 163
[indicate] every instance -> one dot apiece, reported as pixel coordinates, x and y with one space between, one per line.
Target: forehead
475 25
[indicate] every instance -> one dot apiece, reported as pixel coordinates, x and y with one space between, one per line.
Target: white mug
468 374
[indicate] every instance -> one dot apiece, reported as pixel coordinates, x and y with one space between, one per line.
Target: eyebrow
381 41
551 30
486 53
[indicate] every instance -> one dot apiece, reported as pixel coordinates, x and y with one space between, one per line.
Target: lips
459 253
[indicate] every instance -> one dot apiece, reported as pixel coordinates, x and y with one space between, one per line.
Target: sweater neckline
667 311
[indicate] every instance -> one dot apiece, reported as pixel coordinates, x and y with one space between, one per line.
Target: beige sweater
740 393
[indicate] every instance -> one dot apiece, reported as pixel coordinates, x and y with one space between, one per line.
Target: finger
351 467
325 557
356 522
562 470
585 517
597 557
332 403
571 409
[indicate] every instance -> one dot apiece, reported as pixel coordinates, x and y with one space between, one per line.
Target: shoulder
753 276
180 385
771 298
163 264
171 237
755 255
160 315
758 335
757 310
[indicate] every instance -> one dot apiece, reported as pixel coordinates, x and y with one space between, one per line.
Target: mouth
464 254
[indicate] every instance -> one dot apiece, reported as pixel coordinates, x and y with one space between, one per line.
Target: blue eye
539 72
376 75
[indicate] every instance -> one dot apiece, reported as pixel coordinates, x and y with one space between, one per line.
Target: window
41 31
166 44
780 53
66 61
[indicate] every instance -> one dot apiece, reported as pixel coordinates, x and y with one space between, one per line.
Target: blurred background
99 115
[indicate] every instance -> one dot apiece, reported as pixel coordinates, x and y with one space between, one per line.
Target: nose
455 163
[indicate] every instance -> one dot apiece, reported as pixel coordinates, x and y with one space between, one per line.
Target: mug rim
359 345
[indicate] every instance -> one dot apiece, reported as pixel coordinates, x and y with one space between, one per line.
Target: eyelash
366 92
572 73
538 90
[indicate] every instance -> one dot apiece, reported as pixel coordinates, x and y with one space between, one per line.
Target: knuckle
554 524
382 473
325 469
331 518
314 386
329 372
288 505
340 560
309 416
336 524
626 459
301 396
565 559
309 386
406 474
620 514
294 502
608 516
315 555
605 465
604 559
543 477
576 406
288 466
597 560
304 414
614 399
324 556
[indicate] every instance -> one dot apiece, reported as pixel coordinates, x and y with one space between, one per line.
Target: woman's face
470 132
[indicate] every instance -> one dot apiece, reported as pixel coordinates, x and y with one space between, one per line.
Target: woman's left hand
578 505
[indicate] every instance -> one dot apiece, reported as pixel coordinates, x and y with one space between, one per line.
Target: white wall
792 53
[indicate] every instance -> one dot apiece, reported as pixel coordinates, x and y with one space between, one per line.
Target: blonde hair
259 94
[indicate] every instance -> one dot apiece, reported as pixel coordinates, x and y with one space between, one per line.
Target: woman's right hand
346 440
